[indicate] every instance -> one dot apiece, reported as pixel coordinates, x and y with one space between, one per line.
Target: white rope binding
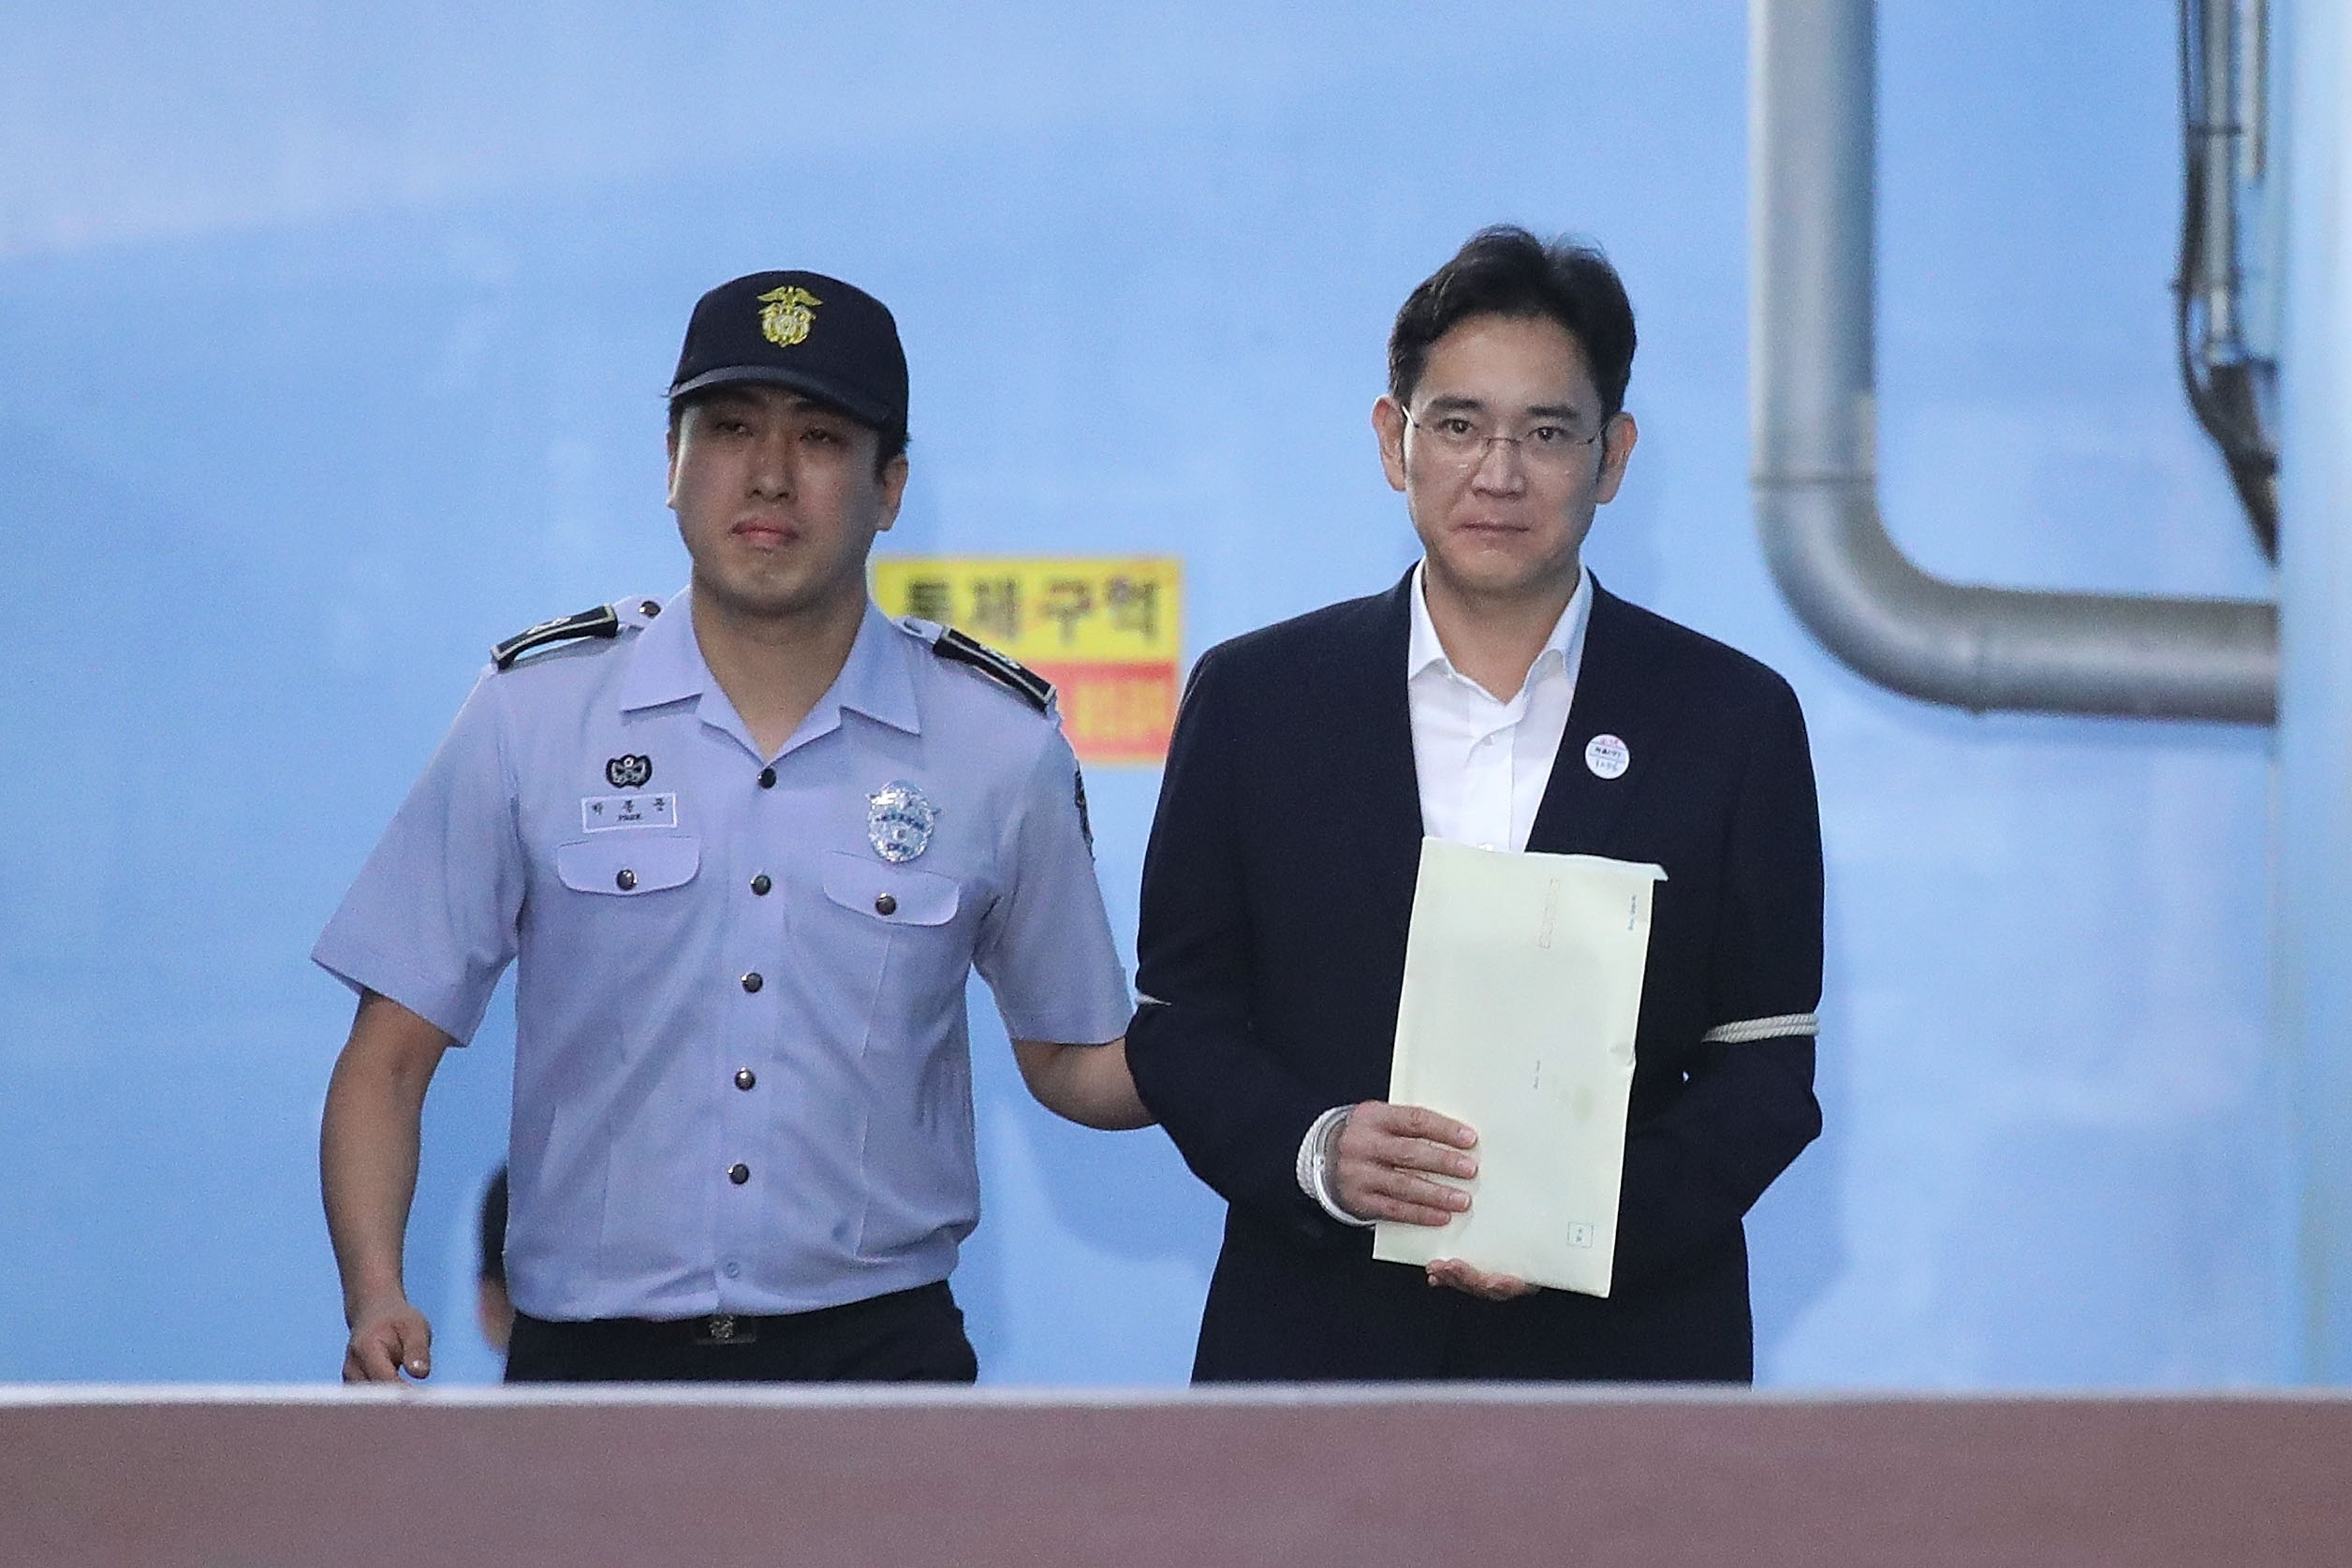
1747 1029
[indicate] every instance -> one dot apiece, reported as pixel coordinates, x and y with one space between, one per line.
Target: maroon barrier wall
249 1479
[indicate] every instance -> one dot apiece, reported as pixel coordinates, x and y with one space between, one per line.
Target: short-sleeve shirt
741 1074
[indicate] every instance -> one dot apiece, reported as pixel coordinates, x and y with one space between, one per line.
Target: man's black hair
893 444
1504 271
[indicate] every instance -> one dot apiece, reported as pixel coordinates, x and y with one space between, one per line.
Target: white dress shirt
1482 763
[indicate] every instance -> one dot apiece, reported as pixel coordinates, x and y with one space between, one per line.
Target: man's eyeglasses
1460 438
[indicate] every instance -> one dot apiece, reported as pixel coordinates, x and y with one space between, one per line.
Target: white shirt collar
1423 649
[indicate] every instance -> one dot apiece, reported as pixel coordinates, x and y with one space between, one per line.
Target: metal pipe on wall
2219 138
1812 416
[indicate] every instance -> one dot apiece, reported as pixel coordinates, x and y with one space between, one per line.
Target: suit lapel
1581 809
1377 760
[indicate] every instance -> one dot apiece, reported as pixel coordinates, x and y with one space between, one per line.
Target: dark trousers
908 1335
1282 1312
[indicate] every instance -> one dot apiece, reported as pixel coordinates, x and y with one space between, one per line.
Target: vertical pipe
2254 92
2217 147
2313 862
1813 157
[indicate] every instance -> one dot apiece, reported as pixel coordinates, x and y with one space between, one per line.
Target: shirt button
752 982
650 609
886 905
745 1078
734 1270
739 1173
759 884
626 879
767 777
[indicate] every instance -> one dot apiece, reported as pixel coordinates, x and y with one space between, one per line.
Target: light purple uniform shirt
595 815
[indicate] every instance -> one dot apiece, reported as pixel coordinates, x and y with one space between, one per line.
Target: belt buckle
726 1328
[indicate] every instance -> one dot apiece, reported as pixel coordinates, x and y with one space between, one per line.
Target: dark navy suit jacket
1277 890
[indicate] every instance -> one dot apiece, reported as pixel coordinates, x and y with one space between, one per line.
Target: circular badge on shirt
899 820
1607 757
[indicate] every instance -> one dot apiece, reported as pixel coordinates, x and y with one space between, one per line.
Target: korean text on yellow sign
1107 631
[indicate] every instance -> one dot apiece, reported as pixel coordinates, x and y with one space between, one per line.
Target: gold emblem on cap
790 312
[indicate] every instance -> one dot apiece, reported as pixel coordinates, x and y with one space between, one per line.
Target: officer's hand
1453 1272
1379 1163
388 1338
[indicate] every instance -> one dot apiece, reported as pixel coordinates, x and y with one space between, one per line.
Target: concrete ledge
265 1477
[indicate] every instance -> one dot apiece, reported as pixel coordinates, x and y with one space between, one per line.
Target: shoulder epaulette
602 622
1034 688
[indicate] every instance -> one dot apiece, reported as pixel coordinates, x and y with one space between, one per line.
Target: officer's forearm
1089 1085
368 1144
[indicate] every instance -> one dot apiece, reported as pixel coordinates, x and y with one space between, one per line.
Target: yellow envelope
1522 986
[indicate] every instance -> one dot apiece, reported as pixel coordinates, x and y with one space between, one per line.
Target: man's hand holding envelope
1380 1163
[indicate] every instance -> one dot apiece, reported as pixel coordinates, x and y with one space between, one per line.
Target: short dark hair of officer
828 340
1504 271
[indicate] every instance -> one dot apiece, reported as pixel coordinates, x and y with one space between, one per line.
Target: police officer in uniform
744 847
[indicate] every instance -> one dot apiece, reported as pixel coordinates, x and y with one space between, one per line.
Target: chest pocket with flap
625 865
899 895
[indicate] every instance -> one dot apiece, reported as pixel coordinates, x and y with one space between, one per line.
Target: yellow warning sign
1107 631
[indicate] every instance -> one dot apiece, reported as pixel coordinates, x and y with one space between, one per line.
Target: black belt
718 1329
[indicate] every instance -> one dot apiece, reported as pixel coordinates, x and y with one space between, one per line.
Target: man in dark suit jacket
1308 761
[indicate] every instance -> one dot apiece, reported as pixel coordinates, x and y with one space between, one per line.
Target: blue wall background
332 340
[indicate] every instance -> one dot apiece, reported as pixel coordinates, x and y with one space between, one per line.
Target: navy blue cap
803 330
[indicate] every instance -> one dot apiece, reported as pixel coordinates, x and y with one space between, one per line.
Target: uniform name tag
600 813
